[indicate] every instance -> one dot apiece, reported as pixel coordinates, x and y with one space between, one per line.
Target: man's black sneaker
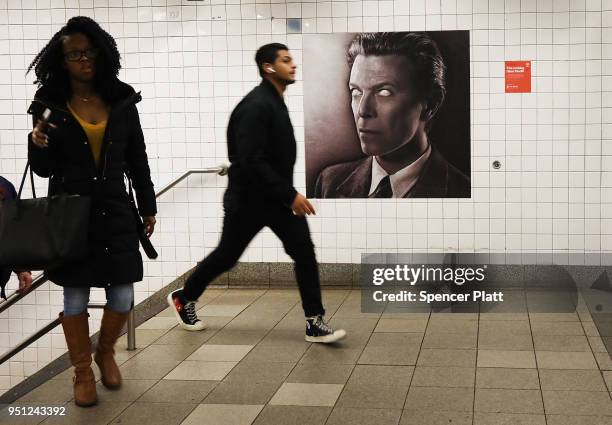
184 311
319 331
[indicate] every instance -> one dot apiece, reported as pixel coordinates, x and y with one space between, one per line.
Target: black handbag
43 233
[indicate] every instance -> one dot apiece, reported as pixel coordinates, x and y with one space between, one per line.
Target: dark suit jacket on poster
439 179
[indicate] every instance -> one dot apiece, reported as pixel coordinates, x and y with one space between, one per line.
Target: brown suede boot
112 323
76 330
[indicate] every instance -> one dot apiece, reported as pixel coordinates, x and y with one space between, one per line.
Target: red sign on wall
518 76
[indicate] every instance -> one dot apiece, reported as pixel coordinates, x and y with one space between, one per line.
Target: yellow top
94 132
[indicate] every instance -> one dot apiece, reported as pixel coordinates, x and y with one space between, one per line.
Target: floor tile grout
345 308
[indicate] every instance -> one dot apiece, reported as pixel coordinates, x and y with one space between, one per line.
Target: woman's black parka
113 255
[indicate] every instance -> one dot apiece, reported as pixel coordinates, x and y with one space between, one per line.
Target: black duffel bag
43 233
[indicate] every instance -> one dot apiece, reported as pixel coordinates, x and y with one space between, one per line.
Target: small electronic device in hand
46 115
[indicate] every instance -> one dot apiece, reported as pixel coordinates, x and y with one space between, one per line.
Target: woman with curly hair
92 138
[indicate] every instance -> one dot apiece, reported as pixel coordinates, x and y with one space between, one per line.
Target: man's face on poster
385 105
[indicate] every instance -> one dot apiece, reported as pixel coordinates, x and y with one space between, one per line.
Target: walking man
260 192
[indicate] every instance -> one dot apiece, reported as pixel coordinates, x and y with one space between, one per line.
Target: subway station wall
194 60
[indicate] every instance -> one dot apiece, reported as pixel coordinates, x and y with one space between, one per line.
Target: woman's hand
149 225
25 281
40 137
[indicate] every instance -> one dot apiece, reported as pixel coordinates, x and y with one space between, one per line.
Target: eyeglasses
76 55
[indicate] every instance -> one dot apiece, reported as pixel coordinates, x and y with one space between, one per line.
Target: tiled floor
252 366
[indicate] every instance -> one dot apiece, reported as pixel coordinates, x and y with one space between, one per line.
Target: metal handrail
16 296
51 325
40 280
221 170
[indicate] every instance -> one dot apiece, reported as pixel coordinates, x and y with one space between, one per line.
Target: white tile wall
194 60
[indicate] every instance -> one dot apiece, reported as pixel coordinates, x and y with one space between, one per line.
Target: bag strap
25 173
129 179
32 183
146 244
131 192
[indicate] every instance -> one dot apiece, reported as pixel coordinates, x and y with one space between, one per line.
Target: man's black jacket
261 149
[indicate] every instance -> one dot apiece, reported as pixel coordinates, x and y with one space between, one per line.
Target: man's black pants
240 225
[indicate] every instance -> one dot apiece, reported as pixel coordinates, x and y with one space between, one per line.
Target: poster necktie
383 190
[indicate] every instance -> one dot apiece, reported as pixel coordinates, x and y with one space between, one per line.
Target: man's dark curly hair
429 76
48 63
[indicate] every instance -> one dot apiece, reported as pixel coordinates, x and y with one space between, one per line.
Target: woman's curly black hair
48 63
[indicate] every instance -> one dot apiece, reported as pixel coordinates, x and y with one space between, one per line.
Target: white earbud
271 70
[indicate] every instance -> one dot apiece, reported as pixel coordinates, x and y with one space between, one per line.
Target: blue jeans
119 298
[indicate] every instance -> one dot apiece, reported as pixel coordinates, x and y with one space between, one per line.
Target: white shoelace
320 323
191 313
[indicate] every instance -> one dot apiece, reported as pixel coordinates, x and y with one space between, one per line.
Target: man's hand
301 206
149 225
25 281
